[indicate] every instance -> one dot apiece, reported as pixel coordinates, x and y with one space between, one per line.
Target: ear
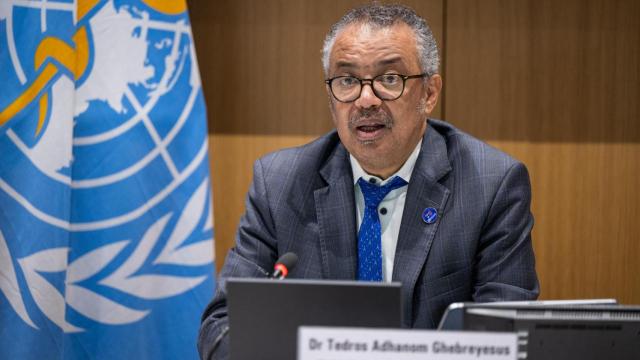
434 86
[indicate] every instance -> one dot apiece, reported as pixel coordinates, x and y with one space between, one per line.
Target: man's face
381 134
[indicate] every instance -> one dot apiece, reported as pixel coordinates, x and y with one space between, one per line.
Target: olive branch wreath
125 277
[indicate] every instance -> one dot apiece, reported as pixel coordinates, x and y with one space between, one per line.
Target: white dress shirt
393 204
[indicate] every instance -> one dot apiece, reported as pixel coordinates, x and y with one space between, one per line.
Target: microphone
284 264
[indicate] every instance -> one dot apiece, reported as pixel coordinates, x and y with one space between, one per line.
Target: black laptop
264 314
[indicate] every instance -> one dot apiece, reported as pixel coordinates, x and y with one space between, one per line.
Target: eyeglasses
386 86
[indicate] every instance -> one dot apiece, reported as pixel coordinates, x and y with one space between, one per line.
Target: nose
368 98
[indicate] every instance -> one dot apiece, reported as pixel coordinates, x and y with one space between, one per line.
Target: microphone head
285 263
289 260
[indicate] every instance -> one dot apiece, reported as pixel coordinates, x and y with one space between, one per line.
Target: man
388 195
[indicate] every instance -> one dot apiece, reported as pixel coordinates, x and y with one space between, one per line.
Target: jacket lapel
416 236
335 210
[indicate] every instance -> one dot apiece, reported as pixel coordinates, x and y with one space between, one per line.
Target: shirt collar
404 172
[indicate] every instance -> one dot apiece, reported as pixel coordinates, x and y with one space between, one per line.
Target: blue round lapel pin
429 215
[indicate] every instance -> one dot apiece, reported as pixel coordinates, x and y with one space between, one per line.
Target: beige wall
556 84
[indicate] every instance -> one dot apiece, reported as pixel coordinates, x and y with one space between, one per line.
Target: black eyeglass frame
370 82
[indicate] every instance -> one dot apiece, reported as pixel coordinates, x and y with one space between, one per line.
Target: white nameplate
330 343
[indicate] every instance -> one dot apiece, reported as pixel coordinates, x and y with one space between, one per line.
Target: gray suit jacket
479 249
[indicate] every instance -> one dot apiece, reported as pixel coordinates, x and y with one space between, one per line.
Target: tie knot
373 194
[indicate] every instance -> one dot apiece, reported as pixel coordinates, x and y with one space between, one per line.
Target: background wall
554 83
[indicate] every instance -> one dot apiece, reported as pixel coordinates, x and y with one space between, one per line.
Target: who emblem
105 207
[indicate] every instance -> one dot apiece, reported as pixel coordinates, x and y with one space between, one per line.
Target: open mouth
370 128
370 132
369 125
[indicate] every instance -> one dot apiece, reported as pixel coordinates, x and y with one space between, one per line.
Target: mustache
370 116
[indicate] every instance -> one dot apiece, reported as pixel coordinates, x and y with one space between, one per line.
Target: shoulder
307 159
285 180
467 151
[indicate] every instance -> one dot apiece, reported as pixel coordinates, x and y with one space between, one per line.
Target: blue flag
106 234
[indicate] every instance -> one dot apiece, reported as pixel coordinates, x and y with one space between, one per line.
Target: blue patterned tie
369 237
